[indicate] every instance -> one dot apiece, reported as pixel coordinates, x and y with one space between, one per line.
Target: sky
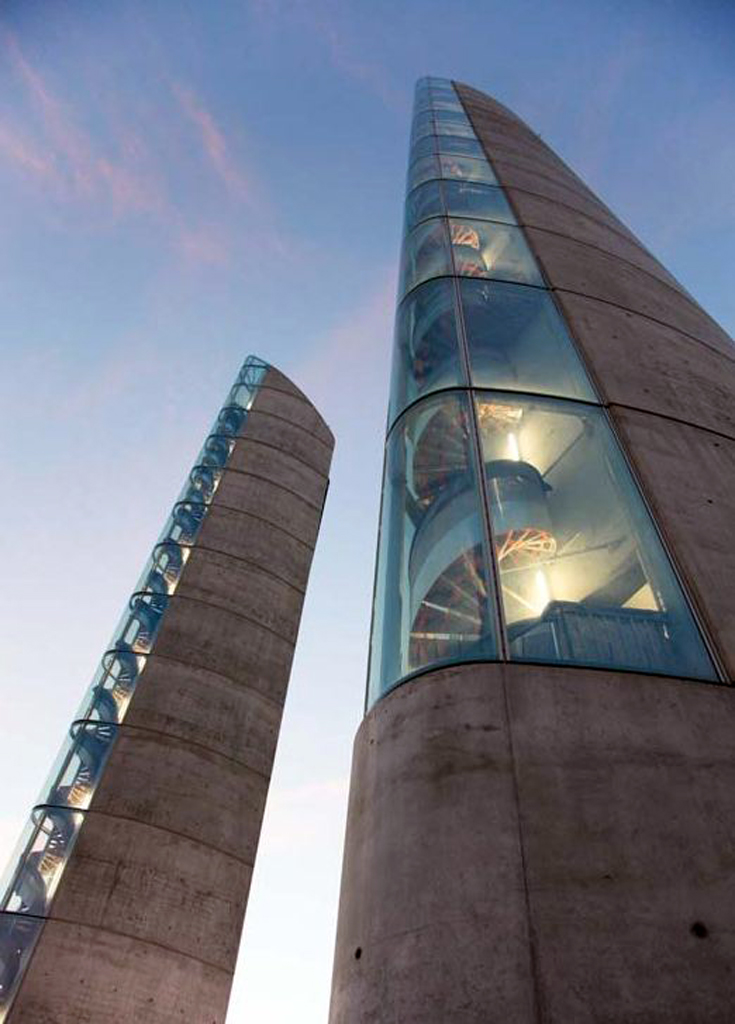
185 183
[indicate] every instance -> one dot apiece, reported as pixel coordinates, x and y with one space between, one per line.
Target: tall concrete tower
126 898
542 814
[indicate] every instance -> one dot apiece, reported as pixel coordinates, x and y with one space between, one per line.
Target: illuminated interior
582 573
502 471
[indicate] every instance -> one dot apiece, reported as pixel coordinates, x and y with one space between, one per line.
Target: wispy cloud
115 171
118 177
19 150
326 24
214 145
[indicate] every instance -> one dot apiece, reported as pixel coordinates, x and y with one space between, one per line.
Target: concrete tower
126 899
542 813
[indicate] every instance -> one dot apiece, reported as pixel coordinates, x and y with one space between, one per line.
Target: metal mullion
476 442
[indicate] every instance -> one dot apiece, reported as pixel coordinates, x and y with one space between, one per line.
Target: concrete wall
535 844
146 922
557 845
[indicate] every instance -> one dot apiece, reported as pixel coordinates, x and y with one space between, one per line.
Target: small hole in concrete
709 501
700 930
358 953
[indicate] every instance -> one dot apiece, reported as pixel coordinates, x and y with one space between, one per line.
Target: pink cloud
118 180
214 144
205 246
20 151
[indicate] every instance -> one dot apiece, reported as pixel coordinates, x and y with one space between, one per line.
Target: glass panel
423 147
432 604
517 340
468 199
425 254
459 146
426 348
36 870
455 128
467 169
112 687
77 769
450 105
423 124
450 117
447 95
18 936
422 170
483 249
584 578
424 202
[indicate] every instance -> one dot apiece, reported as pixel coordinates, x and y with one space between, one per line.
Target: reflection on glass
425 254
467 169
584 578
18 936
455 128
455 144
112 687
423 124
468 199
485 249
426 348
425 146
450 117
446 101
425 169
45 848
432 604
424 202
517 340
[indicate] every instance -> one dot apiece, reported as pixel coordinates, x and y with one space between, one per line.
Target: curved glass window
77 769
43 852
467 168
485 249
447 101
423 203
426 355
451 117
112 687
425 146
425 254
432 589
486 202
423 124
583 575
460 146
517 340
455 128
425 169
18 936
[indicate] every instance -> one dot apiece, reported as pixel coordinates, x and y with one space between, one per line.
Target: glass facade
511 526
31 879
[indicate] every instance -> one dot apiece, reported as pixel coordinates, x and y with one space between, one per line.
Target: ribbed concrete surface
531 844
147 918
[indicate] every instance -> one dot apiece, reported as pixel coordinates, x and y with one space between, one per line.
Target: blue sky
184 183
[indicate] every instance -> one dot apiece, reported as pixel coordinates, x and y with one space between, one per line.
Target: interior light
543 595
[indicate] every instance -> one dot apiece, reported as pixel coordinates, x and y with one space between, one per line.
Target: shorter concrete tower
126 898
